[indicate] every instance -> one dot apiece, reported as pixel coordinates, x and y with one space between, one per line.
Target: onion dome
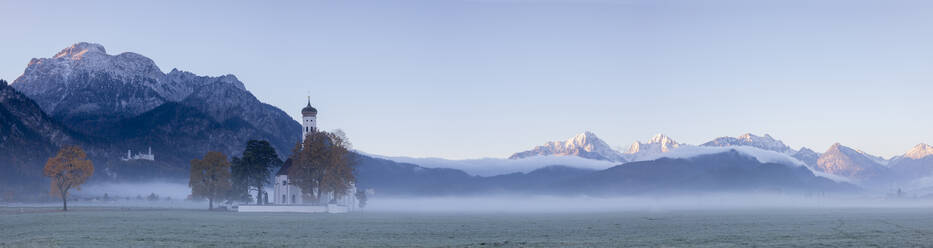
308 110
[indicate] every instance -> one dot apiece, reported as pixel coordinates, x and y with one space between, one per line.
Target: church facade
285 193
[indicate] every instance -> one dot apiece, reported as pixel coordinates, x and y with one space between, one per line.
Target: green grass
103 227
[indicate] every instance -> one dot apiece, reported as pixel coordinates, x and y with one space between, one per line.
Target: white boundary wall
281 209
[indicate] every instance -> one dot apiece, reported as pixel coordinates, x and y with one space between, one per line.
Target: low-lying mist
577 204
173 195
163 189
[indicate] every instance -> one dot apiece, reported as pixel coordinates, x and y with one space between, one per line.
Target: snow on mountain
84 79
844 161
764 156
499 166
585 145
915 163
807 156
919 151
658 144
764 142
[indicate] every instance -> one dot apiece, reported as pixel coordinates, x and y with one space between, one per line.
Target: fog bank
163 189
499 166
577 204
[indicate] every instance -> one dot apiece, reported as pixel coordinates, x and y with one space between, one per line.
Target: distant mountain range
726 172
111 103
838 160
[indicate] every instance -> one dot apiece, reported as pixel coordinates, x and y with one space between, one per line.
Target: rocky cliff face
100 95
844 161
83 82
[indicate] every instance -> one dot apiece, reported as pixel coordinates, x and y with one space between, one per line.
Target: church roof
285 167
308 110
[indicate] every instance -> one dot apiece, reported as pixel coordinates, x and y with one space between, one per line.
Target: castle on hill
139 156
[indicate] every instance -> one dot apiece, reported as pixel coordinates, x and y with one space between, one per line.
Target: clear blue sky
486 78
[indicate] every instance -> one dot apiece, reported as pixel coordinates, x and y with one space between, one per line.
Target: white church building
285 193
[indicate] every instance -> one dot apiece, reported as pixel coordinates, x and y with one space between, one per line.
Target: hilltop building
139 156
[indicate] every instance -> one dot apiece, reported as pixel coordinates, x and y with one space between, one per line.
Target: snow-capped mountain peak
845 161
661 139
77 51
660 143
583 140
919 151
585 145
764 142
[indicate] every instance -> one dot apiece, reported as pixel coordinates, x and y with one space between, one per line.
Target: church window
283 199
293 198
283 182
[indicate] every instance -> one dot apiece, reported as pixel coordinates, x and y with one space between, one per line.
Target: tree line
321 165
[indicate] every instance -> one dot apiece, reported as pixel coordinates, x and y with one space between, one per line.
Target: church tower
309 120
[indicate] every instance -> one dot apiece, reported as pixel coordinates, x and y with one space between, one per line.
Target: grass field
115 227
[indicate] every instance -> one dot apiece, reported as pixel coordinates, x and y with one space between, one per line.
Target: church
288 194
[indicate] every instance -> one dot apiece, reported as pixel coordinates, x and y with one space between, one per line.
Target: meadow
137 227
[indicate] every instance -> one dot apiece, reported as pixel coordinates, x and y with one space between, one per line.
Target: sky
487 78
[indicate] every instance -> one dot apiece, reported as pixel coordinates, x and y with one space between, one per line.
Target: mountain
544 180
27 137
660 143
919 151
764 142
89 90
390 178
387 177
855 164
807 156
500 166
730 171
82 83
585 145
915 163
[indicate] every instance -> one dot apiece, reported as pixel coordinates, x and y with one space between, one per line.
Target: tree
254 169
68 170
323 165
210 177
240 190
361 196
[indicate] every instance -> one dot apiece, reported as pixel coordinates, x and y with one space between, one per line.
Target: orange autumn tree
323 166
210 177
69 169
